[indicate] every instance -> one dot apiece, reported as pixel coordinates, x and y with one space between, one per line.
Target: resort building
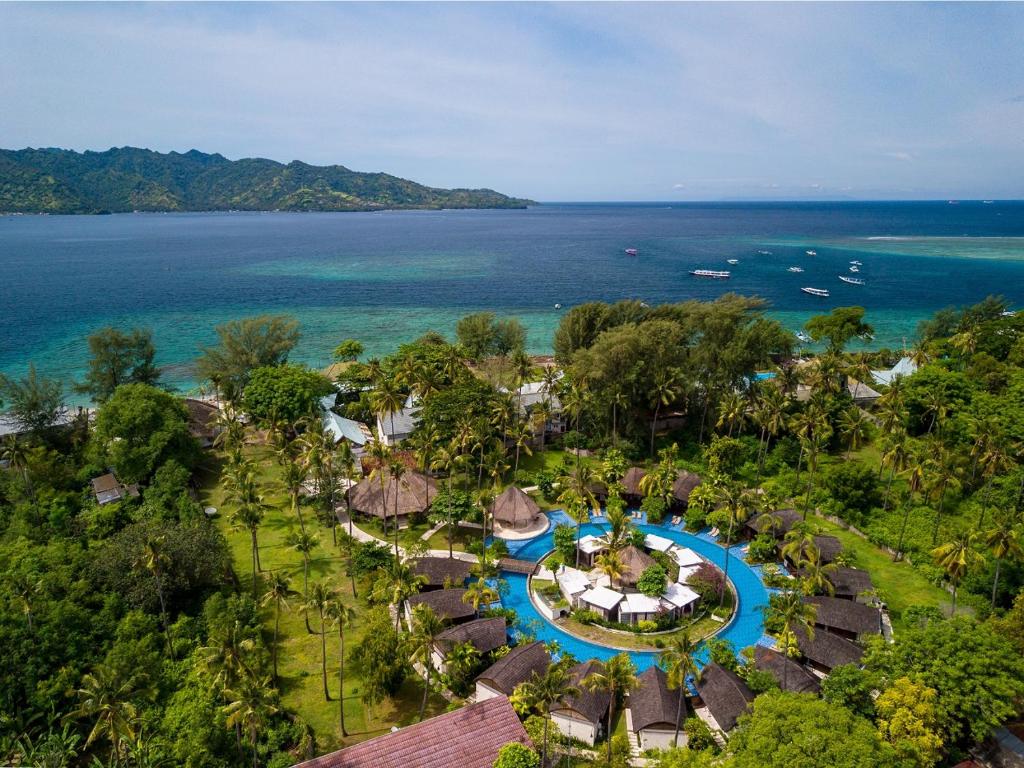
202 421
905 367
658 543
634 562
846 618
636 607
590 547
826 651
680 599
414 493
107 489
605 602
776 524
582 716
356 434
447 604
687 558
486 635
470 737
791 676
515 667
631 492
441 572
850 583
572 583
532 396
395 427
683 486
861 394
655 710
724 694
515 509
829 548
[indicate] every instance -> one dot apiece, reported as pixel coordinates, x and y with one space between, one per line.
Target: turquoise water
746 627
385 278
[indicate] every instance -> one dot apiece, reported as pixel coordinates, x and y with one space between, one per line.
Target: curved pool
746 627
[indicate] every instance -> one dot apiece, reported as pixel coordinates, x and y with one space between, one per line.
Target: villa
448 604
356 434
826 651
850 583
441 572
724 694
514 508
636 607
846 618
658 543
414 492
590 547
631 485
582 715
683 486
486 635
829 548
396 427
905 367
655 711
202 416
573 583
515 667
680 599
531 396
791 676
784 520
603 601
687 558
107 489
634 562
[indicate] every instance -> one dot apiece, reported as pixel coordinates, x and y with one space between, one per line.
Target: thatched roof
514 507
592 705
846 615
787 519
724 693
446 603
794 676
412 492
652 703
483 634
684 484
850 582
634 562
827 650
829 547
631 481
517 666
439 571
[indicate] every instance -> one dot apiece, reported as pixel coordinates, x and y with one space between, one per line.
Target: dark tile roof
447 603
107 488
514 507
850 582
829 547
484 634
525 567
466 738
846 615
787 519
593 705
517 666
828 650
795 677
684 484
631 481
440 570
413 490
651 702
725 695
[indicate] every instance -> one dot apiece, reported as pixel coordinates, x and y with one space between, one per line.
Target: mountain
131 179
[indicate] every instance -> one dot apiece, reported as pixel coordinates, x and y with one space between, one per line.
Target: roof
846 615
107 488
345 429
634 562
514 506
787 519
201 415
686 557
593 705
679 595
602 597
469 737
685 572
725 695
590 544
401 422
483 634
850 582
652 702
441 570
829 547
572 580
447 603
684 484
860 391
631 481
515 667
905 367
637 602
412 494
658 543
828 650
525 567
796 678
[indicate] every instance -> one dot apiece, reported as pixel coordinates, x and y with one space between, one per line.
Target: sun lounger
714 531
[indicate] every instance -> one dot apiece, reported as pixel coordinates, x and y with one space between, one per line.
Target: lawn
299 654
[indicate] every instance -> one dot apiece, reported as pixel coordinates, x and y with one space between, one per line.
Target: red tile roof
466 738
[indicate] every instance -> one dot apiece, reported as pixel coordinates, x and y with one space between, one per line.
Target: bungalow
791 676
860 392
680 599
582 715
486 635
602 600
441 572
631 485
658 543
636 607
777 523
469 737
395 427
687 558
355 433
850 583
846 618
634 562
202 417
683 486
590 547
685 572
107 489
724 694
826 651
515 667
572 583
905 367
415 491
447 604
515 509
656 712
829 548
531 396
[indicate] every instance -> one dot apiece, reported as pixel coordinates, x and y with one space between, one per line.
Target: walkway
360 535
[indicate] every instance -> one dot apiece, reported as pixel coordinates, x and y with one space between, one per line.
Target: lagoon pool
746 627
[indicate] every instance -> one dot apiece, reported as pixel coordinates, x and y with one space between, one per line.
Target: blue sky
569 101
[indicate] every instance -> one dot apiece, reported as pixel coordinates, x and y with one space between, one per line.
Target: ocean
384 278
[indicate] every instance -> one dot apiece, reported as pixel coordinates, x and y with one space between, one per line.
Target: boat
558 306
714 274
795 269
732 261
804 337
855 269
857 263
631 251
852 280
811 253
823 293
765 253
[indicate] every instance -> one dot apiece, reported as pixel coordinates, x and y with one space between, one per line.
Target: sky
556 102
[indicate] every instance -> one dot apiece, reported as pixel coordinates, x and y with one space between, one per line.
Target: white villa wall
574 727
484 691
654 738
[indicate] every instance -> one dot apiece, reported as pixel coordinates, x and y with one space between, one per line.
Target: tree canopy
285 393
118 358
244 345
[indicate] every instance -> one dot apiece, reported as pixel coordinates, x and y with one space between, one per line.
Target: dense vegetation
130 179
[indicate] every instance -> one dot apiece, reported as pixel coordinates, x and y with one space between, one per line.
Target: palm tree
738 505
25 586
860 370
919 355
915 482
341 616
397 471
521 435
817 576
152 558
426 627
15 453
319 599
789 610
347 460
731 412
248 514
1003 542
250 707
996 459
397 585
965 342
816 443
853 426
381 454
771 415
667 387
278 592
544 691
936 403
386 399
617 679
678 662
304 543
479 593
944 466
610 564
107 697
894 455
956 558
293 475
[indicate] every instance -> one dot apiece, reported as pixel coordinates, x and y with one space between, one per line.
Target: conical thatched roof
634 562
412 492
514 507
631 481
684 484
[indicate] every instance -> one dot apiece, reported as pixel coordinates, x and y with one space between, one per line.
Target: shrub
516 755
565 542
647 626
763 549
707 582
698 734
655 507
854 490
761 680
652 581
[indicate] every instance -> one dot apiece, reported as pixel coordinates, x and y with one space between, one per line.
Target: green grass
551 459
461 539
299 652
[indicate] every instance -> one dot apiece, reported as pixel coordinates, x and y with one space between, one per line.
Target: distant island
119 180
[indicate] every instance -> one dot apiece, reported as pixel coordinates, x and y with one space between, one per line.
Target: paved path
360 535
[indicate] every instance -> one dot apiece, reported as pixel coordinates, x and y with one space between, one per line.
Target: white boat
558 306
714 274
855 269
765 253
857 263
795 269
732 261
823 293
631 251
852 280
811 253
804 337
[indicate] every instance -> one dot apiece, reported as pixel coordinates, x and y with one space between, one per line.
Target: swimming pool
746 627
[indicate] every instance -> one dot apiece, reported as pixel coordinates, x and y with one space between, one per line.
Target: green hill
131 179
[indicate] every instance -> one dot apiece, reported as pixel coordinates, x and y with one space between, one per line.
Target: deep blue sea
387 277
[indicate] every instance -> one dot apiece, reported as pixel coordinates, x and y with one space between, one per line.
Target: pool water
745 629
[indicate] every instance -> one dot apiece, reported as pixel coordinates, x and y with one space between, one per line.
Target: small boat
765 253
714 274
857 263
558 306
804 337
811 253
631 251
823 293
852 280
795 269
855 269
987 202
732 261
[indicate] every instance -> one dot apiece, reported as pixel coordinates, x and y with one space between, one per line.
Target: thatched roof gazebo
514 508
415 492
634 562
684 485
631 482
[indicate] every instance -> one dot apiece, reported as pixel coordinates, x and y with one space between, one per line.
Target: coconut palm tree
396 586
731 412
347 462
382 456
250 707
248 514
279 590
426 626
542 692
817 576
815 444
156 561
522 434
956 557
397 471
678 662
610 564
737 504
771 415
479 593
994 461
936 403
965 342
617 679
341 616
853 426
1003 542
895 454
108 698
666 389
304 543
15 453
789 611
386 399
860 370
319 599
917 466
293 475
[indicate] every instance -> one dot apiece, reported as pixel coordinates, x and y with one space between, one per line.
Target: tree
516 755
678 662
244 345
479 593
1003 542
617 678
155 560
35 402
450 507
380 656
248 513
736 503
286 392
249 708
426 626
542 692
278 592
907 719
956 558
610 564
319 600
665 389
789 611
304 543
395 586
348 351
852 687
341 616
652 581
119 358
109 699
838 327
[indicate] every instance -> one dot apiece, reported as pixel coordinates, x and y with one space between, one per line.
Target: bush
696 518
707 582
698 734
546 483
655 507
516 755
647 626
652 581
763 549
853 487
